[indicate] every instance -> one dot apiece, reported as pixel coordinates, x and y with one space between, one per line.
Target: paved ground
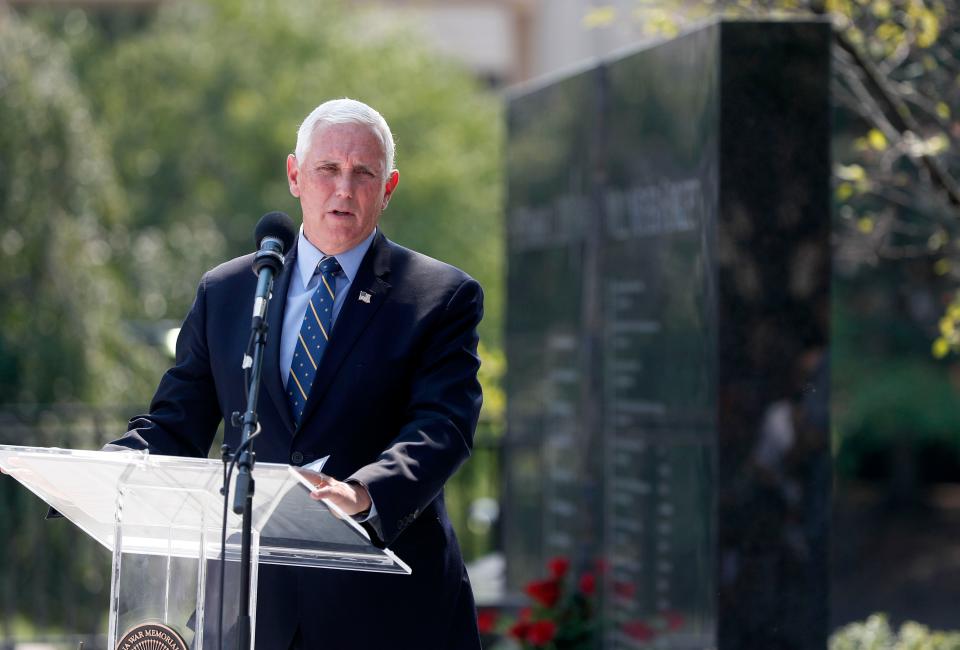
902 561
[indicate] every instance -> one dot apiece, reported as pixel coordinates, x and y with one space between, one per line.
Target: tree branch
898 115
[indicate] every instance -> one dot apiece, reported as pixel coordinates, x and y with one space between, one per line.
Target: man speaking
371 357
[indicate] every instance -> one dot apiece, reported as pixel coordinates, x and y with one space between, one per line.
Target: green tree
62 216
131 161
62 338
202 107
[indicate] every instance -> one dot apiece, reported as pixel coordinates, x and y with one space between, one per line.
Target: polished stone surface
668 222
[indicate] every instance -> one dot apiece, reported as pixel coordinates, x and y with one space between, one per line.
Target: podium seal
151 636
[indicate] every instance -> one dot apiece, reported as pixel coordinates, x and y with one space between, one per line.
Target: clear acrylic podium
161 516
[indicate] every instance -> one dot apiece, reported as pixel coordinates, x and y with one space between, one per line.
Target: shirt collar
309 256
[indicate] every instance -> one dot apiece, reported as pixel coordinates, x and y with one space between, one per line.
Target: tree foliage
62 217
190 121
132 160
201 110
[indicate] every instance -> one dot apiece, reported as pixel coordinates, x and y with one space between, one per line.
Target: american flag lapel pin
365 297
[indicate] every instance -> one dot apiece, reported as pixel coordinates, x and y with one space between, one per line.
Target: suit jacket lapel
271 376
353 318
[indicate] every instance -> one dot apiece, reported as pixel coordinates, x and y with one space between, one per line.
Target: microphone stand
266 263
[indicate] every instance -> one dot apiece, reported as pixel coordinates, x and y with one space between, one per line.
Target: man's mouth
341 213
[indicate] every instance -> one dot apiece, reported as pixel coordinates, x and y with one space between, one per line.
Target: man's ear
293 175
389 187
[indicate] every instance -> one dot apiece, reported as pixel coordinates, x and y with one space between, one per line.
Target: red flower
541 633
519 630
638 630
588 584
486 620
674 620
545 592
558 566
526 613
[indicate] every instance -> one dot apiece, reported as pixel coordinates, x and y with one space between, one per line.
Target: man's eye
328 169
365 172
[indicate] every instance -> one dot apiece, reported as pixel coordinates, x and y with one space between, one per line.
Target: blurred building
511 41
503 42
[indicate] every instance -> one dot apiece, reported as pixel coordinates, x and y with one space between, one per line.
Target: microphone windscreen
278 225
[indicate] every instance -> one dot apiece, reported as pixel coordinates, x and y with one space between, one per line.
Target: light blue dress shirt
302 285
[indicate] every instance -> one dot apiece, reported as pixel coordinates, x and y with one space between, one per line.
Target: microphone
274 235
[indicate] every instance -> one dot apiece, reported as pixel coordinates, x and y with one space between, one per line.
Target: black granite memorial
667 332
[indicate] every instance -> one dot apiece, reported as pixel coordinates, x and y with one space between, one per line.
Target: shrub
876 634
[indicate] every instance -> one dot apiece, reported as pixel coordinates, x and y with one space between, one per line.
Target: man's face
341 186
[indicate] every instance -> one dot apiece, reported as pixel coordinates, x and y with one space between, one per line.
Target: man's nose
345 185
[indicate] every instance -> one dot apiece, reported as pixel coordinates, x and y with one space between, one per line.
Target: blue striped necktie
313 339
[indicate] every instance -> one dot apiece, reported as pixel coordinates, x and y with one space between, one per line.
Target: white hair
346 111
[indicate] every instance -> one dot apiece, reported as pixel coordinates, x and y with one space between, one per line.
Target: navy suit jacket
394 403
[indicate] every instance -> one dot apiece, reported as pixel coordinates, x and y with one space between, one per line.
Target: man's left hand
352 498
